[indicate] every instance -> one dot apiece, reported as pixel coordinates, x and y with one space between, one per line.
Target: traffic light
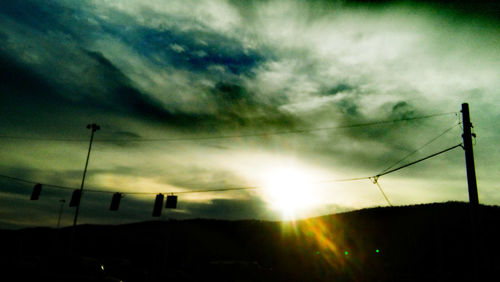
36 192
115 201
171 202
158 205
75 198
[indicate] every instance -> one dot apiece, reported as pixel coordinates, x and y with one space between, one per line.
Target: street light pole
94 127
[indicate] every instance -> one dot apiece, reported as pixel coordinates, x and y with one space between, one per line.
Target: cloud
201 51
231 209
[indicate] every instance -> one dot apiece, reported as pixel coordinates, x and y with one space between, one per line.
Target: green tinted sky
187 69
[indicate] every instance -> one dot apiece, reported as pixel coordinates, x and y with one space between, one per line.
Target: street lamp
94 127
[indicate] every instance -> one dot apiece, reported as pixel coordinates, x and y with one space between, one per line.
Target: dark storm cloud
115 93
231 209
44 211
193 50
375 147
3 37
109 91
121 97
127 134
187 177
24 81
16 188
68 178
403 110
18 210
339 88
51 17
237 106
95 207
348 107
41 16
490 8
112 94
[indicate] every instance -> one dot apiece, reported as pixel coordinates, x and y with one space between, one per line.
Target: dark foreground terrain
435 242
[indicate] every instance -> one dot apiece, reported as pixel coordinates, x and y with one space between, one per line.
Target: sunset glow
290 190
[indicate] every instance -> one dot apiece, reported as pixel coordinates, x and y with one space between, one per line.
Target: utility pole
469 155
94 127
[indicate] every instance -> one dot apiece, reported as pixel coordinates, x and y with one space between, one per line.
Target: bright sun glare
290 191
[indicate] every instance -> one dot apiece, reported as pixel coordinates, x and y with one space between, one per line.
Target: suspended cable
376 177
18 179
232 188
417 161
170 192
420 148
257 134
344 179
33 182
203 190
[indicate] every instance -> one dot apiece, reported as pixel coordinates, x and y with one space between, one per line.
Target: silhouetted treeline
434 242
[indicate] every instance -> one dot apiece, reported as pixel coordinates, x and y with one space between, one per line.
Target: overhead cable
234 188
257 134
420 148
419 160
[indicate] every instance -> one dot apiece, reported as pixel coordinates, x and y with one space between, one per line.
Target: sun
290 190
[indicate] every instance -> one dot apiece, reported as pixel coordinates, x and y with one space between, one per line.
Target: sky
209 95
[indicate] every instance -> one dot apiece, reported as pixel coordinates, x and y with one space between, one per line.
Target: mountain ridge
426 242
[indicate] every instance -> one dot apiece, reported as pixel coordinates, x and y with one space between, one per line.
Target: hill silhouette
431 242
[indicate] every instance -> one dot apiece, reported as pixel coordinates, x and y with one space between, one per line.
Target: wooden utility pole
469 156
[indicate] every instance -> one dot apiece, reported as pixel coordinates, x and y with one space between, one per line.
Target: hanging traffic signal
115 201
36 192
75 198
171 202
158 205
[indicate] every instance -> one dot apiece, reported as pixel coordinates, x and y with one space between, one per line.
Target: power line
235 188
257 134
33 182
344 179
420 148
204 190
170 192
417 161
